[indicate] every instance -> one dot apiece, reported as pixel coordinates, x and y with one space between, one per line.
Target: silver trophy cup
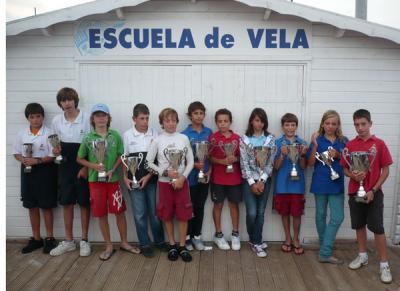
55 143
27 149
360 161
132 164
262 155
294 151
326 159
201 149
229 150
174 158
99 149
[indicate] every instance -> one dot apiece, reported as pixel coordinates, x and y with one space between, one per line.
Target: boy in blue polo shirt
197 132
289 187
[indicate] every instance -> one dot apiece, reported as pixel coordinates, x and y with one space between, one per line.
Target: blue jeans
144 208
327 232
255 210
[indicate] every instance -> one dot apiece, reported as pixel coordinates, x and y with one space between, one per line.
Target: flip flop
298 250
106 255
131 250
286 248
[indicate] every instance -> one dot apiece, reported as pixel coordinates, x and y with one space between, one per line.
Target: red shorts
106 198
289 204
174 202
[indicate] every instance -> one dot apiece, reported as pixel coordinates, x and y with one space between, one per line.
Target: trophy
326 159
28 151
294 151
262 154
55 143
99 148
174 157
229 150
360 161
201 150
132 164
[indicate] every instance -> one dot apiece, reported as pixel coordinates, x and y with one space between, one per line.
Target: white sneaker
264 245
386 276
358 262
235 240
221 243
259 251
63 247
84 248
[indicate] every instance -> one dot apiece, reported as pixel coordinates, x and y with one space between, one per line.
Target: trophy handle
318 157
165 152
123 158
235 146
140 155
346 154
221 146
372 151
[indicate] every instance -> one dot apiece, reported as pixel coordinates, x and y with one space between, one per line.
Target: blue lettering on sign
136 38
275 38
110 41
94 38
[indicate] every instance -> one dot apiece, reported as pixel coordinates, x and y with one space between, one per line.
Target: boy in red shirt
370 213
226 178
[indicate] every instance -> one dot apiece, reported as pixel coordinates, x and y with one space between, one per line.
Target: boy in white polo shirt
71 126
137 141
38 177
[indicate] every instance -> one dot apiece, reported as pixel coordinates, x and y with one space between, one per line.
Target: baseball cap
100 107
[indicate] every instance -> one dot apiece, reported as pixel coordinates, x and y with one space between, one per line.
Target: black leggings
198 195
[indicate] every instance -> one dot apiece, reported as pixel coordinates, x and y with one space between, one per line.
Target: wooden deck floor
210 270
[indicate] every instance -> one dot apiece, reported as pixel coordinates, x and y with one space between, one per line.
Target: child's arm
379 183
282 153
114 168
314 146
86 163
151 156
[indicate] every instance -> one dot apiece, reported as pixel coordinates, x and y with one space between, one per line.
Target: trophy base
360 199
102 177
294 178
333 178
28 169
229 169
202 180
58 160
135 185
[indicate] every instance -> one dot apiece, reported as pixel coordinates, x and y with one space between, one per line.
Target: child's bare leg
105 231
380 243
182 232
361 234
122 228
286 228
234 210
68 211
34 216
85 218
217 210
48 221
296 229
169 226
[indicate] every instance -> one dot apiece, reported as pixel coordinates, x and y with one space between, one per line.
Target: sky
380 11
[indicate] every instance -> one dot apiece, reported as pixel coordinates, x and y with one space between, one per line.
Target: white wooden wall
344 74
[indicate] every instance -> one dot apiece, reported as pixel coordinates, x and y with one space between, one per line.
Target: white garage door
278 88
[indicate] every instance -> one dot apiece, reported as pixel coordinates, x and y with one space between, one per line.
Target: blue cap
100 107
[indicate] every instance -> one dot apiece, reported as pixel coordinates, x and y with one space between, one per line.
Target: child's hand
358 175
284 150
334 153
172 174
128 183
303 149
314 139
230 160
83 173
57 151
370 196
143 182
98 167
198 166
109 175
29 161
178 184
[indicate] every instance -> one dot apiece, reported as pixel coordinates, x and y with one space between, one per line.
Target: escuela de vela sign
123 38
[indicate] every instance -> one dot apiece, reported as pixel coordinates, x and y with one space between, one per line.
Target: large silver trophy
294 151
326 159
229 150
201 149
132 163
262 155
27 153
55 143
360 161
175 158
99 149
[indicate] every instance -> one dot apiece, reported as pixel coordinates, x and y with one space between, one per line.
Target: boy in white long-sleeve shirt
172 184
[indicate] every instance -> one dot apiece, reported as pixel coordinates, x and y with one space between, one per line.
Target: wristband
374 191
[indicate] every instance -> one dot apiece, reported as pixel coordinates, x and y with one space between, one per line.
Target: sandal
173 253
185 255
106 255
298 250
286 248
131 249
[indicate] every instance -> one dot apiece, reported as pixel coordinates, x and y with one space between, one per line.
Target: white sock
197 237
384 264
187 237
364 256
